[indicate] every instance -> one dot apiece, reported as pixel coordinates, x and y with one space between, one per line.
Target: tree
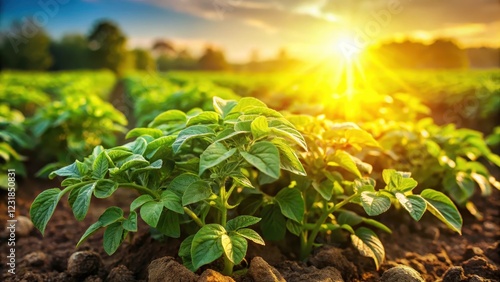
107 46
213 60
71 52
143 60
26 47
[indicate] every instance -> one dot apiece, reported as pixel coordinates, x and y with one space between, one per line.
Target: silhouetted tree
213 60
143 60
26 47
107 46
71 52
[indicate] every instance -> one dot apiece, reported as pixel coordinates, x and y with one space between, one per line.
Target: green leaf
241 222
185 248
289 133
265 157
235 247
203 118
374 204
259 127
118 155
197 191
113 237
387 174
181 182
207 246
215 154
130 224
100 166
151 212
460 187
344 160
82 202
482 182
399 182
134 161
140 145
414 204
349 218
377 224
139 201
110 215
91 230
325 189
171 201
67 171
160 143
195 131
288 159
137 132
105 188
169 224
223 107
251 235
273 223
244 103
43 207
369 245
443 208
291 203
294 227
171 116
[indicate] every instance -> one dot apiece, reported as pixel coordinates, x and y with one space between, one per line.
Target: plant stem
306 249
228 266
139 188
193 216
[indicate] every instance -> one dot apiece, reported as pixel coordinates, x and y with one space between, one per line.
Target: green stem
74 186
228 266
139 188
306 249
193 216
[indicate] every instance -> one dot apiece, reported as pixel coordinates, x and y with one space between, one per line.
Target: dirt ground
427 246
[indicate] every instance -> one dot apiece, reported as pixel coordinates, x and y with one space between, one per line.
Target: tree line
106 47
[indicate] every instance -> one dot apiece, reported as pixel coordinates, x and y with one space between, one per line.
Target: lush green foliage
12 139
214 174
438 156
151 95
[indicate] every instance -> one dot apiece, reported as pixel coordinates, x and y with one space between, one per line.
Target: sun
347 47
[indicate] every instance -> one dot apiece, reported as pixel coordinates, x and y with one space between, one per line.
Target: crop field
260 177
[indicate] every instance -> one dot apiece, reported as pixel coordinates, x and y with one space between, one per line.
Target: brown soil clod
331 256
166 269
120 274
260 270
401 273
210 275
83 264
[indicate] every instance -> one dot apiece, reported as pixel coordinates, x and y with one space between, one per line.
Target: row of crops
54 118
209 164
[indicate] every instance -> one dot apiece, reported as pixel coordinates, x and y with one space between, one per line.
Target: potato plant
211 175
439 156
13 138
74 126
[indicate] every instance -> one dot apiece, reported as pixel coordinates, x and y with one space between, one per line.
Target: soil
426 246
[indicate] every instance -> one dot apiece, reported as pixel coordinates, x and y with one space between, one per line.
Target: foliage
153 94
143 60
12 139
438 156
209 173
71 127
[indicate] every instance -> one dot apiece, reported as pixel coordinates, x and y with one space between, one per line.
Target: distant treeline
28 47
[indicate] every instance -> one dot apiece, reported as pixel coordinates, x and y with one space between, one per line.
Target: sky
303 27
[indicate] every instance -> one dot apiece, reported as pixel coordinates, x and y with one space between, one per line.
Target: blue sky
240 26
